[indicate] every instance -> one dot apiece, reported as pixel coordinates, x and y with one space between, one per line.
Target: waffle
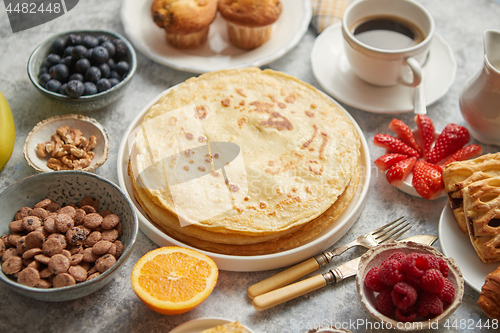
481 202
458 175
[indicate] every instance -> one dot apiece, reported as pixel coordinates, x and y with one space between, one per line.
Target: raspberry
408 315
383 303
399 256
390 272
448 293
372 282
432 261
414 281
403 295
414 264
432 281
443 267
429 305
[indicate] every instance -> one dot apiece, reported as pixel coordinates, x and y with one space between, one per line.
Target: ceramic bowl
374 258
45 129
83 103
69 187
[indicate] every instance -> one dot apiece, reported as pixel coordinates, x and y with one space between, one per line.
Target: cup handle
417 73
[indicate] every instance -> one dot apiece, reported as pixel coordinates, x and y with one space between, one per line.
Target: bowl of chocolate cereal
64 235
68 142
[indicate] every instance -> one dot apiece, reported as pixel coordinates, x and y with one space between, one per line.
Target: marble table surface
460 23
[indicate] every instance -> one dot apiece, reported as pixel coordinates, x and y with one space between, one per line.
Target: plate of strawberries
414 159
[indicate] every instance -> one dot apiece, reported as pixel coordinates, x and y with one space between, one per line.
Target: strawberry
405 134
394 145
464 153
399 171
427 132
451 139
427 180
384 162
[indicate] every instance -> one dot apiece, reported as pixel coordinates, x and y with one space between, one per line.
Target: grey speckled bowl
83 103
69 187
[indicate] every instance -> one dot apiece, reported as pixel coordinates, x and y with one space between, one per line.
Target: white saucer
200 324
332 71
217 53
457 245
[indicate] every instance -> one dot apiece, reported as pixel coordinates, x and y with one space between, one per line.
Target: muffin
186 22
249 22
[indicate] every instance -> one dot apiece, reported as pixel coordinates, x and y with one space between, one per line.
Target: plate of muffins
207 35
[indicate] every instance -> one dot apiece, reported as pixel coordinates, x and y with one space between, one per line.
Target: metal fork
389 232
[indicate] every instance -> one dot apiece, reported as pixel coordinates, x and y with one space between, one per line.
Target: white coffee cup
387 57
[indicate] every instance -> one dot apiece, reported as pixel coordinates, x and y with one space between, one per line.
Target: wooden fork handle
283 278
278 296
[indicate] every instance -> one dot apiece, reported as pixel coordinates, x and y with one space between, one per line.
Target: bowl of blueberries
83 70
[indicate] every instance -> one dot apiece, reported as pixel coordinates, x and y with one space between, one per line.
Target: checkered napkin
327 12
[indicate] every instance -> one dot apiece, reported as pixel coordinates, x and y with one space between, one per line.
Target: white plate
259 262
457 245
200 324
217 53
333 72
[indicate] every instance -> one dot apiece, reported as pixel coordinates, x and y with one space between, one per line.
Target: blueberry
69 62
74 40
121 49
58 46
76 76
114 75
79 52
82 66
74 88
89 41
60 73
99 55
93 74
110 47
62 90
67 51
51 70
43 70
104 68
53 85
90 88
52 59
44 78
111 63
122 67
114 82
101 39
103 84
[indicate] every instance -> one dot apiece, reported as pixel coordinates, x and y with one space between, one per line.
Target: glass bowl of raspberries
409 286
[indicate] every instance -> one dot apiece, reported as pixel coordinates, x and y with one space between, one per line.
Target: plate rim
266 261
444 246
385 110
259 61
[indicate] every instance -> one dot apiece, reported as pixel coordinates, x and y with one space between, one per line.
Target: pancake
297 154
243 245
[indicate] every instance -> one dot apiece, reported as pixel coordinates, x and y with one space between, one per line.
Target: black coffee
387 33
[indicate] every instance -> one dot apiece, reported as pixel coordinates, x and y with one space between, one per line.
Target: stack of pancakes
244 162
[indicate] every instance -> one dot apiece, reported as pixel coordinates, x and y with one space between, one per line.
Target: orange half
173 280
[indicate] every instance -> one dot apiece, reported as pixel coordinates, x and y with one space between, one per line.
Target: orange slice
173 280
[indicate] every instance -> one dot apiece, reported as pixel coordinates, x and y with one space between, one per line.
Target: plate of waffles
457 244
255 232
